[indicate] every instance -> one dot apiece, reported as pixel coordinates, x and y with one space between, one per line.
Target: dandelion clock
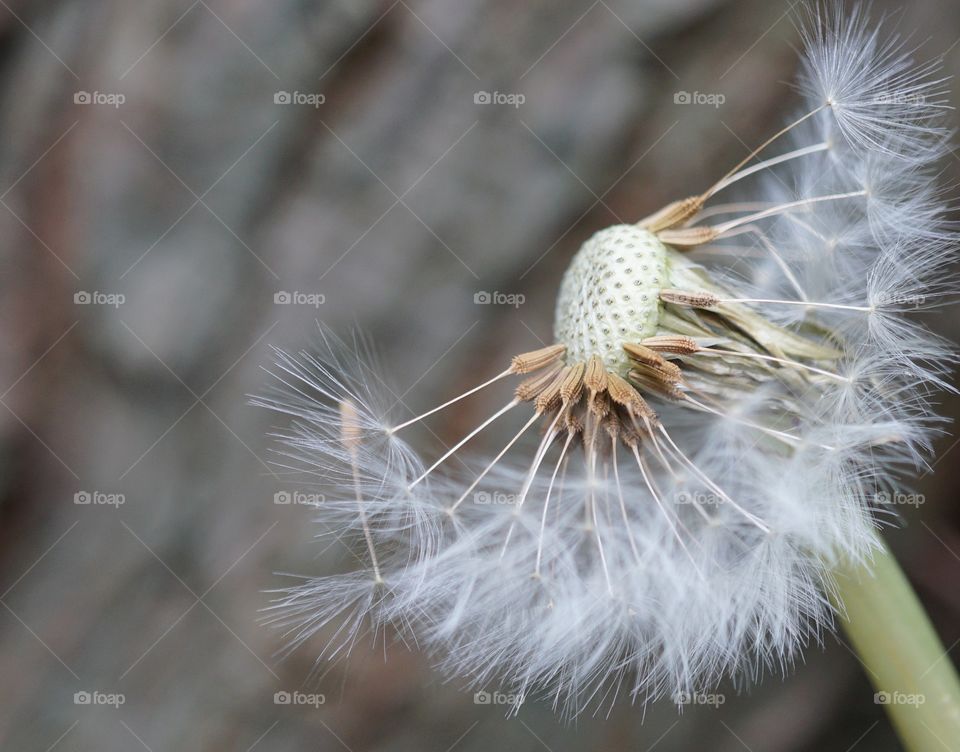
692 488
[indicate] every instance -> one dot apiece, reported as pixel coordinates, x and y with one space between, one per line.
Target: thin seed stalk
906 662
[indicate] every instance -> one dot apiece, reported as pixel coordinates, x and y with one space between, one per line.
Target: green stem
904 659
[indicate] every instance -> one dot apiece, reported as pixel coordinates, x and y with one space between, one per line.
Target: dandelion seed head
732 381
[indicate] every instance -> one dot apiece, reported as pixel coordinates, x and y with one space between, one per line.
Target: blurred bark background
149 152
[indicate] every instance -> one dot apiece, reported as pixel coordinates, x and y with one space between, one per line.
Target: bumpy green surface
610 295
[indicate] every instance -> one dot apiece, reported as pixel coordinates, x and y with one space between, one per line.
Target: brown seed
623 394
653 383
599 404
688 237
672 214
595 376
694 298
536 359
648 357
550 396
572 385
528 389
668 372
670 343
